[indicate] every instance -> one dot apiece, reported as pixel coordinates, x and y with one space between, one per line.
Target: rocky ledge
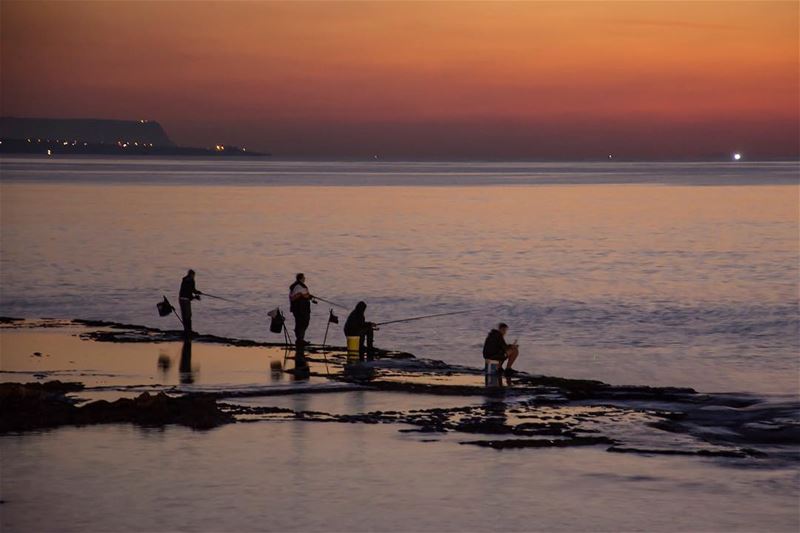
30 406
526 411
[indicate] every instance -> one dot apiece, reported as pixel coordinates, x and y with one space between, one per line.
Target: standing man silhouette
188 292
300 306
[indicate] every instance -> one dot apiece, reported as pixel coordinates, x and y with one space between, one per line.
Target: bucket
492 367
352 346
492 377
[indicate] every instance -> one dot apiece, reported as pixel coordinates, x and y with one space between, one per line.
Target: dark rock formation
31 406
510 444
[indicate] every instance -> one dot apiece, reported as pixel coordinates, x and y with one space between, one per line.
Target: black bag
164 307
276 324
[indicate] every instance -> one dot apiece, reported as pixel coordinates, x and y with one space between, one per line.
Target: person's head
190 273
361 307
300 277
502 327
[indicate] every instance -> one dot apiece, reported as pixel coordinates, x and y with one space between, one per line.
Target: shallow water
300 476
661 274
270 473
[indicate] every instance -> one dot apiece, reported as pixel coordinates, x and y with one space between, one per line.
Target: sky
450 80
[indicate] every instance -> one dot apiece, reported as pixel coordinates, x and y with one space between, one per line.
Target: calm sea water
657 273
302 476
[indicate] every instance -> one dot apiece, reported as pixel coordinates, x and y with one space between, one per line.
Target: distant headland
87 136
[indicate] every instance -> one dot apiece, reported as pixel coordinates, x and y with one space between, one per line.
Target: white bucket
492 367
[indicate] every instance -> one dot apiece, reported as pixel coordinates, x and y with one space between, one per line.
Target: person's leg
300 325
300 356
186 316
362 346
513 353
306 322
370 352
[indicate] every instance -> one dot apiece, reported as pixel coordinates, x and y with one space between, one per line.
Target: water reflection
276 370
301 368
187 374
495 411
164 363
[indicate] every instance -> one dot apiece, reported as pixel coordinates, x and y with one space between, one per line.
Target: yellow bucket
352 346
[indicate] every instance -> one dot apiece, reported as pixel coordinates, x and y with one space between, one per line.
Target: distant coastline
48 136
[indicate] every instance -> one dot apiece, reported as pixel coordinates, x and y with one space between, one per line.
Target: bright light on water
737 156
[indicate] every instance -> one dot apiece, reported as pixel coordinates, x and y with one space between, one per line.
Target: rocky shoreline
34 406
526 412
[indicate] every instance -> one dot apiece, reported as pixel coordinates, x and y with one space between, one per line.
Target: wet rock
11 390
247 410
424 429
488 427
132 333
701 453
31 406
511 444
197 412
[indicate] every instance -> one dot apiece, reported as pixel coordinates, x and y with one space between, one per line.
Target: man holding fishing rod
357 326
187 293
300 306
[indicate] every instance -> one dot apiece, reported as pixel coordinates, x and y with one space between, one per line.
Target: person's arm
195 291
504 345
300 295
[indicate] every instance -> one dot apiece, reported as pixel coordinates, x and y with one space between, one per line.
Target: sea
656 273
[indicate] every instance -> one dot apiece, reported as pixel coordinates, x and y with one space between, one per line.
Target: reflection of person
300 306
496 349
185 368
188 292
495 410
357 326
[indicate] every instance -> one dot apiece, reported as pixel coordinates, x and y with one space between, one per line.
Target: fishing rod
219 297
425 316
315 297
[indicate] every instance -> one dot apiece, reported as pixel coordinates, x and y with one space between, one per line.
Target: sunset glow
528 79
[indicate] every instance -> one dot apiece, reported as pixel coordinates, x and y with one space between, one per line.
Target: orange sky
455 79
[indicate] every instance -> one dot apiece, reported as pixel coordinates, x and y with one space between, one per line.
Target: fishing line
425 316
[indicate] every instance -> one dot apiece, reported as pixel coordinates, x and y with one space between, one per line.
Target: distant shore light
737 156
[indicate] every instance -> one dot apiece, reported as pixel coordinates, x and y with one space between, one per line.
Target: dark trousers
186 316
301 321
365 344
